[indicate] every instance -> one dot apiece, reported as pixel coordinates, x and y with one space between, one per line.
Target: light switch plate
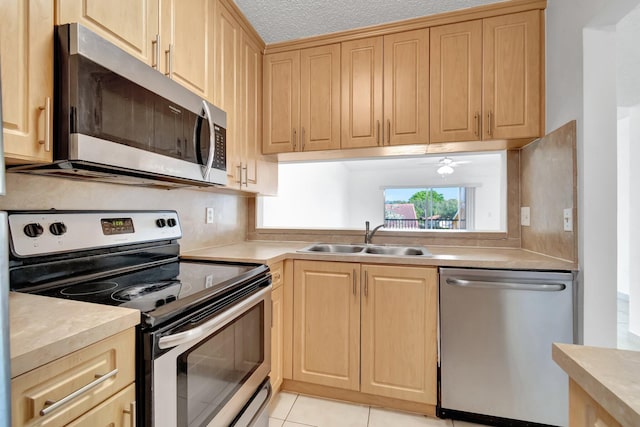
525 216
567 215
209 216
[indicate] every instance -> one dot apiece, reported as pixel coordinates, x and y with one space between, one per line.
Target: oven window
210 373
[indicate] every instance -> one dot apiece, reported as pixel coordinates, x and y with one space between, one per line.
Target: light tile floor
293 410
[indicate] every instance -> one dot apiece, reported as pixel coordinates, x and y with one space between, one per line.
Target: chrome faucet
368 235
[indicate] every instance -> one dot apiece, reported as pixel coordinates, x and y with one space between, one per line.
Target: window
343 194
429 208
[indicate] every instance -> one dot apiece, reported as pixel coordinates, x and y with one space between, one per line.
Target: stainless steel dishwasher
496 330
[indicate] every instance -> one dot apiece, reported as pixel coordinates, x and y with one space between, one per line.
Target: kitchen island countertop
43 329
610 376
268 252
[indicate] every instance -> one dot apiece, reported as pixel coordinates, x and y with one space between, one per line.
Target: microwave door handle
206 169
214 324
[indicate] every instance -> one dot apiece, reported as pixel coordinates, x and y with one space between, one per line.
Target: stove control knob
161 222
58 228
33 229
171 222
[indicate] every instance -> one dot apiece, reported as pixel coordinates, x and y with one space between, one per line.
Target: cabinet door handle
302 141
155 46
52 405
476 124
132 413
490 123
378 132
245 168
169 54
239 180
388 132
366 284
354 282
47 124
294 139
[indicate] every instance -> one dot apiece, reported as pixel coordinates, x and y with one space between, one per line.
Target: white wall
309 195
576 84
634 227
624 217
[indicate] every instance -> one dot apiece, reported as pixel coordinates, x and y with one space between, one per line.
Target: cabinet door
362 93
117 411
512 76
186 37
132 25
251 108
281 102
277 337
320 98
326 323
406 88
586 412
456 82
227 93
399 327
26 52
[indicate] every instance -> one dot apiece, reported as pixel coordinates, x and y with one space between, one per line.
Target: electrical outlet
208 281
525 216
209 216
567 215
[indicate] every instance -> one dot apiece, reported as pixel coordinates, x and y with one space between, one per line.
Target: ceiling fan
446 165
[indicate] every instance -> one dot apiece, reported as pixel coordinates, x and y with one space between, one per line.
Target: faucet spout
368 235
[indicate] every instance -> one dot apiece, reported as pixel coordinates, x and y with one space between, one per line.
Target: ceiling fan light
445 170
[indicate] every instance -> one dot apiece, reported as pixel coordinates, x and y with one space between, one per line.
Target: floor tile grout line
286 418
368 415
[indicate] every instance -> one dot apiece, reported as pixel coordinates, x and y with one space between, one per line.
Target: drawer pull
52 405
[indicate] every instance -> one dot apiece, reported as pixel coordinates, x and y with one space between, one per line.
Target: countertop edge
72 338
592 385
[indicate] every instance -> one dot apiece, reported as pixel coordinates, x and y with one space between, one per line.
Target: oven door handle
213 324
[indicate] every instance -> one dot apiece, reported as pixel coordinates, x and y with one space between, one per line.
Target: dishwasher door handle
515 286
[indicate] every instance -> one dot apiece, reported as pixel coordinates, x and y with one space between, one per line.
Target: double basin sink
366 249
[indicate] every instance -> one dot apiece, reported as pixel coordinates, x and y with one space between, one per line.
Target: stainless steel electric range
203 344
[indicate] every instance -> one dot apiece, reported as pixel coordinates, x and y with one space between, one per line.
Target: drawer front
277 274
68 387
117 411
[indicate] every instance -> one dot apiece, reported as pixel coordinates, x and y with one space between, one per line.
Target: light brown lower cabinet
44 396
584 411
367 328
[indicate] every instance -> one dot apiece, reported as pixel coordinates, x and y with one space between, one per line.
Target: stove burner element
88 288
141 291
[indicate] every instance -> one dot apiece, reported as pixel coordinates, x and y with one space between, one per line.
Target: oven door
213 369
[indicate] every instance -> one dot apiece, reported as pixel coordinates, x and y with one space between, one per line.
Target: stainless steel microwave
117 119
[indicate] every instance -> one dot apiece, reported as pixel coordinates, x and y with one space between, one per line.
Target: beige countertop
43 329
443 256
611 377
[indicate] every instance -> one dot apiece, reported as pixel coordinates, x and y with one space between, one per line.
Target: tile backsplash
230 211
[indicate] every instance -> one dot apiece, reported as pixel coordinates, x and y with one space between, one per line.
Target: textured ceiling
280 20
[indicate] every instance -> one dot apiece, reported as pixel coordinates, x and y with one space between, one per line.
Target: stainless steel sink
367 249
396 250
341 249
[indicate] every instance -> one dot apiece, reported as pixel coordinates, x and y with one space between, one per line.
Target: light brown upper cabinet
173 36
186 40
385 90
131 25
486 79
26 52
302 100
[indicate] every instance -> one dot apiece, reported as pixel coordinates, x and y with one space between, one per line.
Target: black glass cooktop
175 284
